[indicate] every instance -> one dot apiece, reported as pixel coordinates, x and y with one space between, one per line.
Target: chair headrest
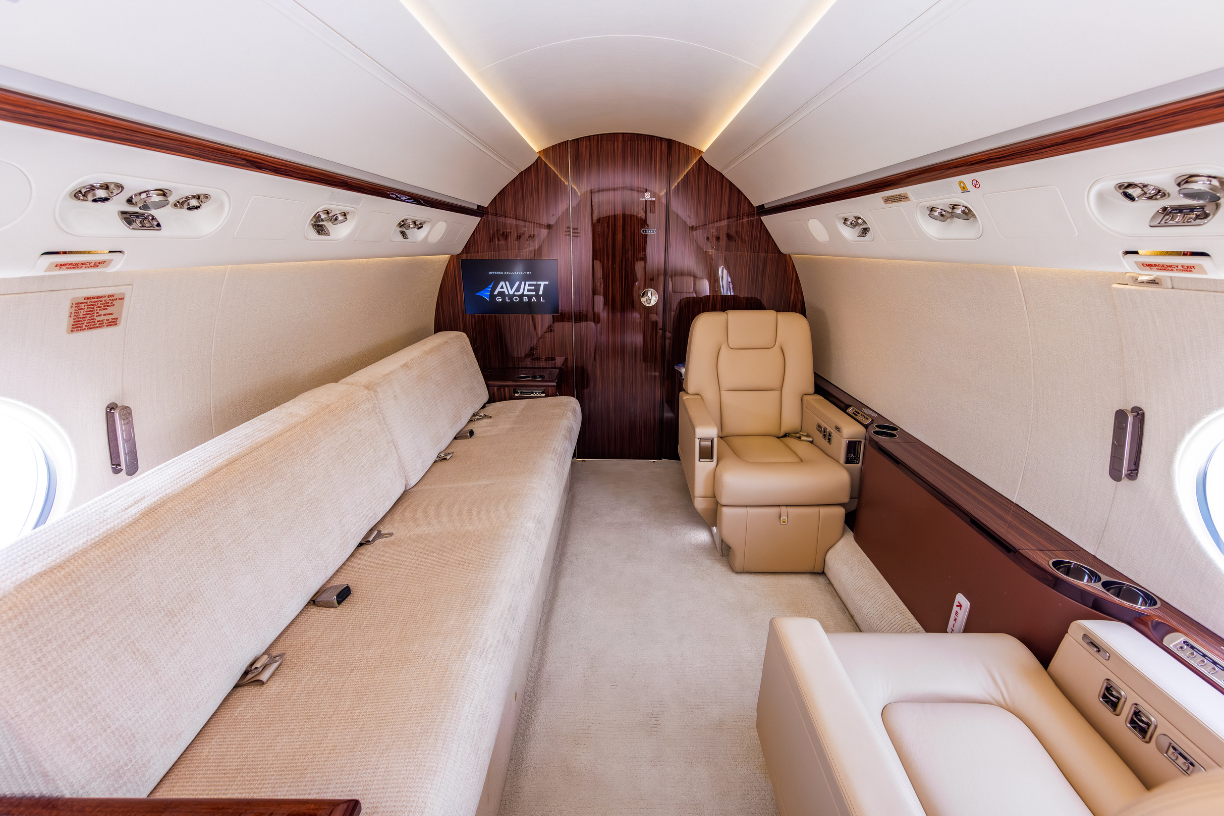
752 330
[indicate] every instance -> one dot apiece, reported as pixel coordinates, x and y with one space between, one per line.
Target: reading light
321 220
99 192
1139 191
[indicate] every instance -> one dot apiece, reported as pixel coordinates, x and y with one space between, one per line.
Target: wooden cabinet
521 383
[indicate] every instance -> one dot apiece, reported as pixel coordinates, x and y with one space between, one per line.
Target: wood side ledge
77 806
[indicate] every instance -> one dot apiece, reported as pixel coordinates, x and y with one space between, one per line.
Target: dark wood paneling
929 553
52 806
1000 524
529 218
582 203
46 114
615 260
712 226
1207 109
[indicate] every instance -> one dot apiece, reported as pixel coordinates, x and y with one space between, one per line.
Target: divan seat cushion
395 698
966 759
756 471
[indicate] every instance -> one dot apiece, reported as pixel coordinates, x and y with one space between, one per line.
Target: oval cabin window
1199 472
36 457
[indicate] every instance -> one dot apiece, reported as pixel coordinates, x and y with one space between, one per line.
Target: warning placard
1171 267
95 312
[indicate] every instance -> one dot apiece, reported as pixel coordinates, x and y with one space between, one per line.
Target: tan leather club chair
776 500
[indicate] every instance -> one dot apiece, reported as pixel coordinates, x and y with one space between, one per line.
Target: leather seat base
760 542
767 471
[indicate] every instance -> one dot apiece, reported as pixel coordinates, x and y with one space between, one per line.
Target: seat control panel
837 435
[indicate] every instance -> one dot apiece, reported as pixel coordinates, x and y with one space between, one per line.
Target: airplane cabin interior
793 408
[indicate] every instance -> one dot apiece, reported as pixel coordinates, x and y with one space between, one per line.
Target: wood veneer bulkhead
24 109
55 806
964 536
699 244
1184 114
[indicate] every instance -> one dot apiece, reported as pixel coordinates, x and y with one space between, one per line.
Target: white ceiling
455 96
361 84
560 69
854 97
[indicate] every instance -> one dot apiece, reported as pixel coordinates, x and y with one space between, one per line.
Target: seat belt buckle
372 536
260 670
332 596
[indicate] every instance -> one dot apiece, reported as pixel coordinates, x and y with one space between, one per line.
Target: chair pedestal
779 539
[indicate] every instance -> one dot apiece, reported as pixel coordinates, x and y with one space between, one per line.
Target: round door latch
649 297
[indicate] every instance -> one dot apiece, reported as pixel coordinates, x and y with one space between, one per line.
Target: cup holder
1076 571
1130 594
884 426
880 432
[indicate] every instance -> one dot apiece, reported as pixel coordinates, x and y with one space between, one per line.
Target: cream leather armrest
822 751
697 457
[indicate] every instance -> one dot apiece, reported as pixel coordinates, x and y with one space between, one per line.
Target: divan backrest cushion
127 621
752 369
427 393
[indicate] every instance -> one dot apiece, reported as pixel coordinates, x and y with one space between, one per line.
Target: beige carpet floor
646 671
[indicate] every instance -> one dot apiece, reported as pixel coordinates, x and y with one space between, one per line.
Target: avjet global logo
494 286
520 292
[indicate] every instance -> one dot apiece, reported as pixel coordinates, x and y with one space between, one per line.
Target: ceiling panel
560 70
274 72
845 40
976 69
390 35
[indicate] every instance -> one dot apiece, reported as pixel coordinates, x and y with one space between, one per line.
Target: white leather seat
935 724
777 502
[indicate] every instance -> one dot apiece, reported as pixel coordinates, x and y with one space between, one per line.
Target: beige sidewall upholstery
135 614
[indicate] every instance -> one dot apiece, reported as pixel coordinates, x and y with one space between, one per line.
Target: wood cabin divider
621 213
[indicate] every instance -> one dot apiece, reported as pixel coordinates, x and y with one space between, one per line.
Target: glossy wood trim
1028 540
33 111
1197 111
55 806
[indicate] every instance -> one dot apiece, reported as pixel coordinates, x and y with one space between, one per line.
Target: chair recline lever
705 450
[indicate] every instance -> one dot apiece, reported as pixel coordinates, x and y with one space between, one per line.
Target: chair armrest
698 459
822 752
81 806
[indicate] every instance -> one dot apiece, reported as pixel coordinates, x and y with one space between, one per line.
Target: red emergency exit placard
95 312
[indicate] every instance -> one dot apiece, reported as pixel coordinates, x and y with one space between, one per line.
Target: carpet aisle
645 675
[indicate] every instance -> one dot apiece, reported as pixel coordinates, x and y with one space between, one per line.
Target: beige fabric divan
134 615
778 502
936 724
426 393
139 611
